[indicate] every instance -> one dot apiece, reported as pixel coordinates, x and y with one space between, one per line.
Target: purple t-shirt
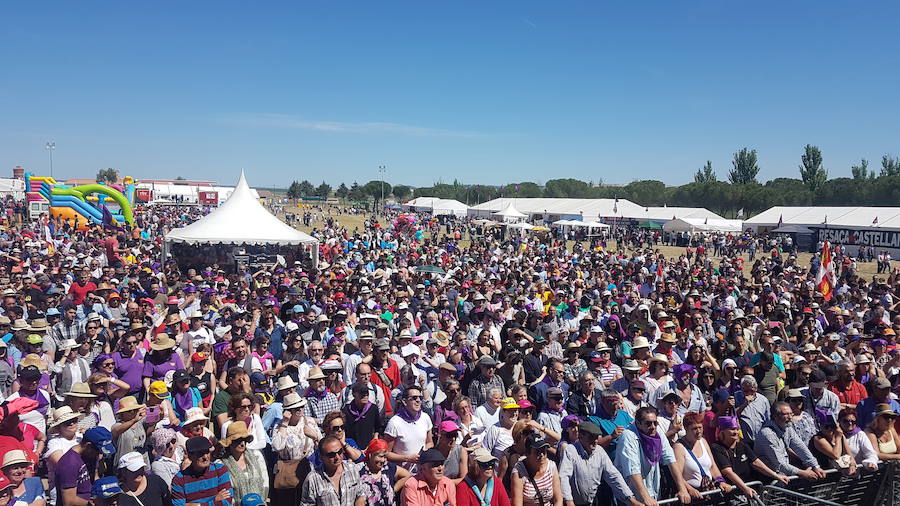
130 369
71 472
157 371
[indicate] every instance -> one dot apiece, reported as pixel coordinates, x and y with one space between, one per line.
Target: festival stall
240 232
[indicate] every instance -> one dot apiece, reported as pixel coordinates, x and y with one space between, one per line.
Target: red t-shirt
393 374
854 393
465 496
79 292
111 244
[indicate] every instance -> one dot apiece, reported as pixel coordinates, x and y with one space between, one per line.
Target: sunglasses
92 327
414 398
487 465
334 454
849 420
337 427
109 364
245 406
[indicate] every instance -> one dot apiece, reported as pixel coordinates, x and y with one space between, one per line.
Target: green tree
861 172
401 192
323 190
745 167
356 192
811 171
376 189
646 193
306 188
567 188
890 166
705 174
293 191
180 178
107 175
342 191
523 190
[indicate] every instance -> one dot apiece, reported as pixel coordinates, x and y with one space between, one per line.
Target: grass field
866 270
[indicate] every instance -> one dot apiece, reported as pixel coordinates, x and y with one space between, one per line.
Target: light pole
50 146
381 170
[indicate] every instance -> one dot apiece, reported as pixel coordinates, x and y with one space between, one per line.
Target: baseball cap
101 438
482 455
721 395
449 426
106 487
252 499
590 428
180 375
133 461
199 357
159 389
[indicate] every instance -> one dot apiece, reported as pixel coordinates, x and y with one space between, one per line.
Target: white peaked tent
242 220
510 213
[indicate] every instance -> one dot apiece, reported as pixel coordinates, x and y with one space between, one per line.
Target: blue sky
485 92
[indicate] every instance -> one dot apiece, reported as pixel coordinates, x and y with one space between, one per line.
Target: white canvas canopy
437 206
242 220
510 213
521 226
702 225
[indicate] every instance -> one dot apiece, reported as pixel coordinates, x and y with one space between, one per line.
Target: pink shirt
416 492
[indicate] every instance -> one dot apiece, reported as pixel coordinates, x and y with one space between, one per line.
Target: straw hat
640 342
173 318
33 359
236 430
293 401
194 415
315 373
62 415
285 382
162 342
15 457
68 344
39 325
20 324
197 314
80 390
129 403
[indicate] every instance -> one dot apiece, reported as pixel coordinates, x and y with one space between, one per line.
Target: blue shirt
865 410
630 460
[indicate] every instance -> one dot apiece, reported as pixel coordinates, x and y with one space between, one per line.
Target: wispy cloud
529 22
265 120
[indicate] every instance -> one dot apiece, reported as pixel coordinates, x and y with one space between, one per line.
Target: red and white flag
825 279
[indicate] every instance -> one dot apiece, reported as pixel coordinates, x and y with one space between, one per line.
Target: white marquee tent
702 225
510 214
818 217
437 206
585 210
242 220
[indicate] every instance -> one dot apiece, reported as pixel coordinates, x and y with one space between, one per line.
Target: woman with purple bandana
736 459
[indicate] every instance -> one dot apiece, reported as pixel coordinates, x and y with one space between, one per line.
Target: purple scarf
183 401
652 447
358 415
311 392
406 415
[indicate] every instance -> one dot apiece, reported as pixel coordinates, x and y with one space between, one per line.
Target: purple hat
682 369
877 342
824 419
569 421
728 422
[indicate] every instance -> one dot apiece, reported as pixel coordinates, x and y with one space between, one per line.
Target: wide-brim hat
39 325
80 390
194 415
235 431
173 318
640 342
285 382
20 324
129 403
162 342
13 457
62 415
293 401
315 373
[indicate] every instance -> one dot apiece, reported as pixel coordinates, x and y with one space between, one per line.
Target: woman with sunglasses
244 407
335 425
857 441
481 485
535 480
882 434
249 474
167 456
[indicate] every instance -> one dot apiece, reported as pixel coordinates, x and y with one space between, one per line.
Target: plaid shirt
62 331
318 408
478 390
319 491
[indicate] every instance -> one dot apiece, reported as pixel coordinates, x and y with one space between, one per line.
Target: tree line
740 196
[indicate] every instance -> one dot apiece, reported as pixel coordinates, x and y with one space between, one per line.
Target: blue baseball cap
252 500
721 395
101 438
106 487
53 312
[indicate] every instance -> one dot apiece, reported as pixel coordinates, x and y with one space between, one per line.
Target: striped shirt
189 487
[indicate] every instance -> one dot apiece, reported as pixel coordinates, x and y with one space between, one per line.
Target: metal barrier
865 488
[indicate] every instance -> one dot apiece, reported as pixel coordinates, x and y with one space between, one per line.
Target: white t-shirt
409 438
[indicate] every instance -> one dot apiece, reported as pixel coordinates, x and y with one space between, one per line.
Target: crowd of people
523 371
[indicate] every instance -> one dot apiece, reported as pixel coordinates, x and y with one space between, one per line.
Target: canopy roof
510 211
438 206
589 209
702 225
853 217
240 220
